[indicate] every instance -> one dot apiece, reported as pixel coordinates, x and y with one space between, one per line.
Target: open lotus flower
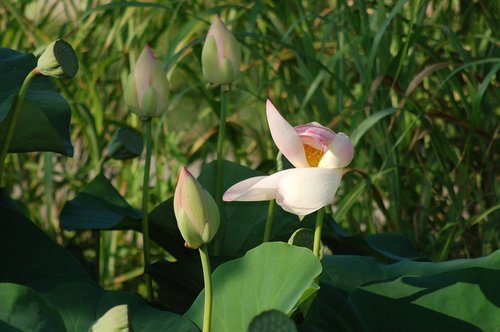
318 153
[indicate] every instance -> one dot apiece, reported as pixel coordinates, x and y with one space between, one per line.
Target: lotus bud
195 210
146 90
58 60
221 55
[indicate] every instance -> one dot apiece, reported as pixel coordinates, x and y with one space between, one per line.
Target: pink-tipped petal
143 71
315 135
339 154
302 191
219 31
259 188
285 137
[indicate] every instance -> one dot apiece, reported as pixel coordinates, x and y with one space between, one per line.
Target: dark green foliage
43 124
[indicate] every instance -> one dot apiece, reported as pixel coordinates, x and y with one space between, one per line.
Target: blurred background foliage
415 82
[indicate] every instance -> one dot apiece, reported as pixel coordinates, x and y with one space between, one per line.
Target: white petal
259 188
285 137
304 190
339 154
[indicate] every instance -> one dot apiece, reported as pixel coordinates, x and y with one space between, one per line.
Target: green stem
103 247
48 188
317 231
272 204
220 160
97 238
207 279
14 115
145 201
269 221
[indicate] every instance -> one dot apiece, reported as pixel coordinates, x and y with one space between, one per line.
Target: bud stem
14 115
207 279
145 201
218 167
317 231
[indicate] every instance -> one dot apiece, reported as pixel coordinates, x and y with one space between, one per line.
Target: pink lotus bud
221 55
146 90
195 210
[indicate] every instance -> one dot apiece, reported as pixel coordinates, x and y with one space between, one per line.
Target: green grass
424 73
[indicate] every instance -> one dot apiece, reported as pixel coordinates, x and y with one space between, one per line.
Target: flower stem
269 221
207 279
145 201
224 89
272 204
317 231
14 115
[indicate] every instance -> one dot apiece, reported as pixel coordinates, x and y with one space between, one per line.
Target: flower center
313 155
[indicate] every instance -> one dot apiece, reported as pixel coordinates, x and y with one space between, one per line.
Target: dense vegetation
413 83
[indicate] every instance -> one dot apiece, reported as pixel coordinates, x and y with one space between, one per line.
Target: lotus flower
221 55
318 153
195 210
146 90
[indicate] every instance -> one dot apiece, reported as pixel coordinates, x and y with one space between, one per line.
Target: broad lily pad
389 247
43 123
98 206
359 291
275 275
126 143
459 300
41 316
63 284
180 282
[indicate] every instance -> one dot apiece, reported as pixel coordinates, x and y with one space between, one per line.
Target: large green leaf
37 315
98 206
31 259
388 247
43 123
363 291
180 282
460 300
275 275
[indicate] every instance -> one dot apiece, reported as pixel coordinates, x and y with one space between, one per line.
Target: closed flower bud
221 55
146 90
195 210
58 60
